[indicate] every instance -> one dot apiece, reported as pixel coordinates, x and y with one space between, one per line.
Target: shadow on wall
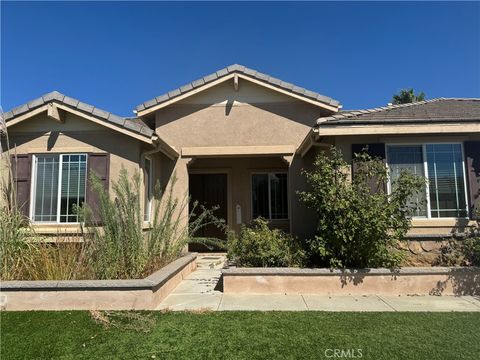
356 277
464 281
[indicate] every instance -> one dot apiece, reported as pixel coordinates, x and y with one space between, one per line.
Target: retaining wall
137 294
405 281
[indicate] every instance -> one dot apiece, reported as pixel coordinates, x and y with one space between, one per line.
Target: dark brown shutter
472 160
21 171
98 164
376 150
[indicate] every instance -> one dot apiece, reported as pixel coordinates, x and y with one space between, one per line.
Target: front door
210 190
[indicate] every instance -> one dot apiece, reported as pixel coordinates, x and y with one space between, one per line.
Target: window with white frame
270 196
148 178
59 185
443 167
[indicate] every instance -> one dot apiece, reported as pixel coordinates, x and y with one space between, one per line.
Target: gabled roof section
434 110
136 126
245 72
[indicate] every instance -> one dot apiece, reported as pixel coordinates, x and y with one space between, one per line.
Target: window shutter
472 161
98 164
375 150
21 170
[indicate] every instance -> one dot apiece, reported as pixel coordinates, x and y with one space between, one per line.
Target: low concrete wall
405 281
138 294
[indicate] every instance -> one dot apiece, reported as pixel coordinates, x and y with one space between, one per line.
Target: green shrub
260 246
357 227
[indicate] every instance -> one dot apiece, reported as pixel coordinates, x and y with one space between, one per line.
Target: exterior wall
420 227
40 134
224 117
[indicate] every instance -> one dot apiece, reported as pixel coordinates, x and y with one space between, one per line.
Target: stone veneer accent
137 294
405 281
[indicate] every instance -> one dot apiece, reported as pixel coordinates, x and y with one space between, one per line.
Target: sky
116 55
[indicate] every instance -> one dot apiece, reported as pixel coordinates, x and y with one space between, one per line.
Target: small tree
407 96
357 227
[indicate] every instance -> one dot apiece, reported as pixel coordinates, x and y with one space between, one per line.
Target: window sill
60 229
445 222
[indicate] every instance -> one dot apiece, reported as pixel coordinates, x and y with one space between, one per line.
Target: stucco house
239 139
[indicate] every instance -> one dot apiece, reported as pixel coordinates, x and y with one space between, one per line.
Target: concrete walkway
200 291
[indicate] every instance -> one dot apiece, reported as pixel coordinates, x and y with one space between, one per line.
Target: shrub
260 246
471 246
357 227
471 251
121 247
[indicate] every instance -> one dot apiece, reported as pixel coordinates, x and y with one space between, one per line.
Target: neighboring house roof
435 110
134 125
248 73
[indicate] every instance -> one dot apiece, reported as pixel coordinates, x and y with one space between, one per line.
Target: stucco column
178 185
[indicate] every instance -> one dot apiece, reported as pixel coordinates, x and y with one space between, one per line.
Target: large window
58 187
269 196
442 165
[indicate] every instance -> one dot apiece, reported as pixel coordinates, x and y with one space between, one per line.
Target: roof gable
235 72
132 127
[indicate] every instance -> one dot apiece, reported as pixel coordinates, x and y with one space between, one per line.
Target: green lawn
241 335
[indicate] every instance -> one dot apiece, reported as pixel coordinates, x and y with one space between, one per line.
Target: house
239 139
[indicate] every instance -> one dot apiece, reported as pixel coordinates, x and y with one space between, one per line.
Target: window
59 187
148 178
442 165
269 196
408 158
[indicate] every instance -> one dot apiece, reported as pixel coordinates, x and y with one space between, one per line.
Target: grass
240 335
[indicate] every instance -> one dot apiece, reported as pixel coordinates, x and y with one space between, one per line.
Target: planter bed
405 281
136 294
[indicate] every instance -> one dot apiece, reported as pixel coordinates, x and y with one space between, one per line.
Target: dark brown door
210 190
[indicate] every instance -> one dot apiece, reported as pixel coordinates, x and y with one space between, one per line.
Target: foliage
122 247
464 252
260 246
357 227
406 96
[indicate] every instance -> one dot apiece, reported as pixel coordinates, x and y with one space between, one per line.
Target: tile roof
434 110
134 125
241 70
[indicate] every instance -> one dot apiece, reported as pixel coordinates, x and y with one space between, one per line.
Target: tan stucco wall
224 117
41 134
358 284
